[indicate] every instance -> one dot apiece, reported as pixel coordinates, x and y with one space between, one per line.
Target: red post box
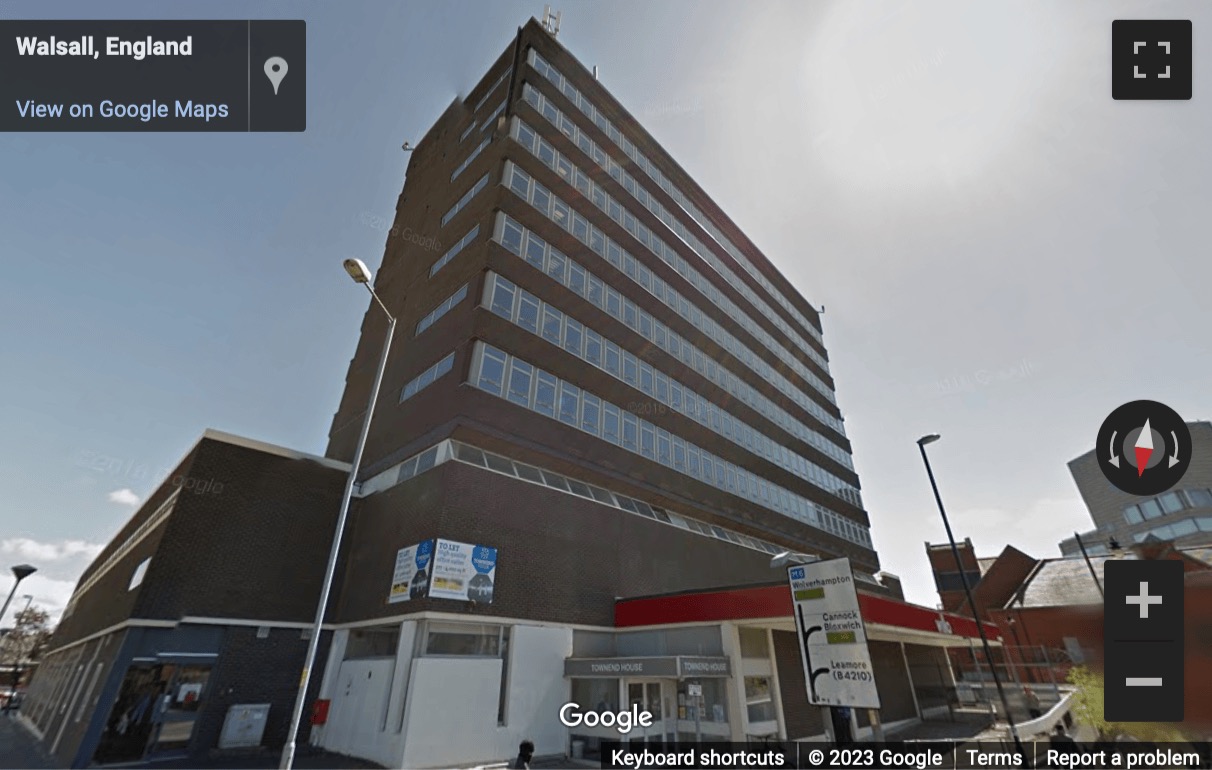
319 711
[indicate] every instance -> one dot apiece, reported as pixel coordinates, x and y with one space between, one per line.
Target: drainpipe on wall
734 686
775 691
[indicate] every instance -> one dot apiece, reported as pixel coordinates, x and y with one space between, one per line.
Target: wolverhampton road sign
833 639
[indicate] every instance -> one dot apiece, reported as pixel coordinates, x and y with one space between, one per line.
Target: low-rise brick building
1050 614
202 601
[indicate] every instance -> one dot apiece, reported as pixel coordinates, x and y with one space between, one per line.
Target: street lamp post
21 572
980 626
361 274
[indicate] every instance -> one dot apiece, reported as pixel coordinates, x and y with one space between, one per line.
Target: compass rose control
1144 448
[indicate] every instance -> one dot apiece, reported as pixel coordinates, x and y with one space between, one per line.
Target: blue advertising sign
410 579
444 569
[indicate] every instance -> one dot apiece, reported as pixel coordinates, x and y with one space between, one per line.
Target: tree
27 640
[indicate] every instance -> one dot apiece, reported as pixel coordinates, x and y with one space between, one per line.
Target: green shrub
1088 710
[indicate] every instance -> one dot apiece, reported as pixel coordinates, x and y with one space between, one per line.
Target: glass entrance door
648 696
130 724
177 709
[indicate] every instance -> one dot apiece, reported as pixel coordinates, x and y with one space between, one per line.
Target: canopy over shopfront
886 619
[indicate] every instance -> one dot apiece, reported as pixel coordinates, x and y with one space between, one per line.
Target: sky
1004 253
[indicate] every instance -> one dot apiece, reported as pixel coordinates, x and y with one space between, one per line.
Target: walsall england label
833 639
107 75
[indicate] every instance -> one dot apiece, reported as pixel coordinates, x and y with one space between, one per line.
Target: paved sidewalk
19 748
268 760
546 763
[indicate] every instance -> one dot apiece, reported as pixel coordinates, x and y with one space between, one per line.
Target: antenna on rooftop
551 21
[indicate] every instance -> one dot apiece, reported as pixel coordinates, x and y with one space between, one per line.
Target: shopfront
685 696
752 685
156 710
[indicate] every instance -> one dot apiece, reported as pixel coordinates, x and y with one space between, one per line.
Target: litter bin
578 749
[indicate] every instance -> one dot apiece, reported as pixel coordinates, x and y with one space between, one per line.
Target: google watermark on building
571 715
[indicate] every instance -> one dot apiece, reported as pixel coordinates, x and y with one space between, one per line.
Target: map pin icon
275 70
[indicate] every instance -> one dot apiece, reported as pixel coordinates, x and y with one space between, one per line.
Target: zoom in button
1143 638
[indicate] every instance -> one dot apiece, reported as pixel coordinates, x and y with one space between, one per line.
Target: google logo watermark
623 721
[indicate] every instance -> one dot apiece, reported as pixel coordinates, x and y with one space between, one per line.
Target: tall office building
603 413
600 386
1182 514
568 297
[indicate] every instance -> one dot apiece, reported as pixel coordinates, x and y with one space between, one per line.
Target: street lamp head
358 270
22 571
928 439
788 558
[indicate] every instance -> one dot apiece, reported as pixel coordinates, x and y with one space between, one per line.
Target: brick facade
803 719
245 543
255 670
449 406
560 558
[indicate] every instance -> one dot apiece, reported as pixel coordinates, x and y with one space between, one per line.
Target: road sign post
833 637
695 693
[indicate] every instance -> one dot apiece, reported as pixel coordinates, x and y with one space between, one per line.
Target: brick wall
560 558
892 682
256 549
253 670
55 711
802 718
110 601
246 525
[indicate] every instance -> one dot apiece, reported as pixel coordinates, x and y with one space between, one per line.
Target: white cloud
59 564
124 497
34 551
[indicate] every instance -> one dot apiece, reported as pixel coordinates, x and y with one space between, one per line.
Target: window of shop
758 699
753 643
457 639
597 695
592 644
377 642
708 709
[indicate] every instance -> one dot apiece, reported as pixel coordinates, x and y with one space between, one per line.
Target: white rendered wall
359 704
356 725
451 710
336 652
452 713
537 689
